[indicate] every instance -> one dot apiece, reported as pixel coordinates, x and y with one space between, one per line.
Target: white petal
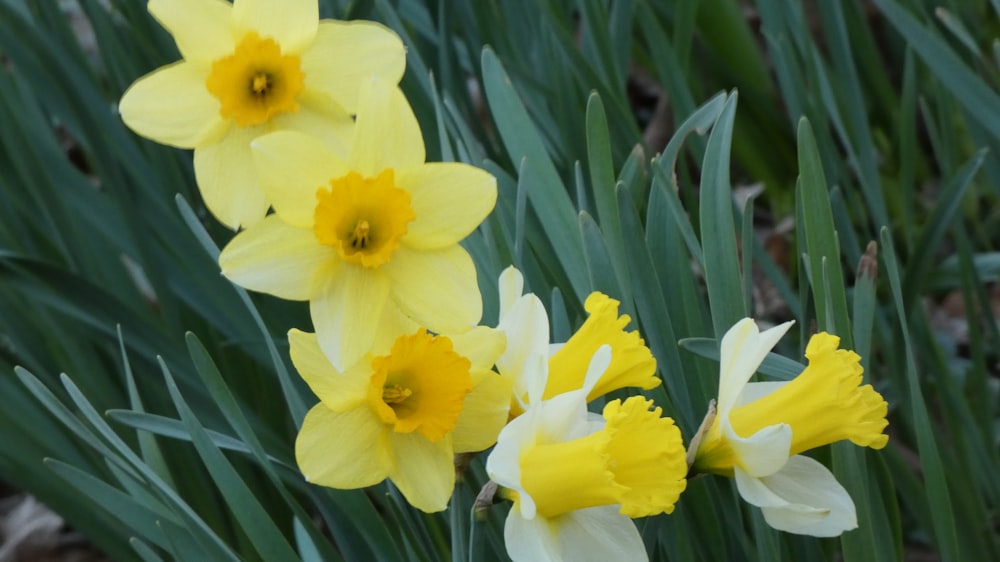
511 284
764 452
598 364
807 485
526 326
530 539
754 391
598 534
743 348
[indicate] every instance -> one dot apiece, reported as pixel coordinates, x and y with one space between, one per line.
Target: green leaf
545 189
718 231
936 487
246 508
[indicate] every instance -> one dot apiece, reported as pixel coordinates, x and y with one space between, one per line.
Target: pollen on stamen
261 83
359 238
395 394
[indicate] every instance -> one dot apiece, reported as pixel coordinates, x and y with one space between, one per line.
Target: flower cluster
303 139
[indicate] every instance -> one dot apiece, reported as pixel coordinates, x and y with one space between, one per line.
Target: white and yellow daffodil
529 357
250 68
402 412
762 427
575 480
354 236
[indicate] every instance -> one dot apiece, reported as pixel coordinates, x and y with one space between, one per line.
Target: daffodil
529 357
249 68
761 427
575 481
402 413
353 236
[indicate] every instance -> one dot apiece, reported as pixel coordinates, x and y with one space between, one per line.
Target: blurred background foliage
655 151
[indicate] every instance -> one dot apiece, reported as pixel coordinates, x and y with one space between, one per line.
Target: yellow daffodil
249 68
529 359
761 428
402 413
575 482
354 236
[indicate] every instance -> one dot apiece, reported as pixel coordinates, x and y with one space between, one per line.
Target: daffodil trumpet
762 428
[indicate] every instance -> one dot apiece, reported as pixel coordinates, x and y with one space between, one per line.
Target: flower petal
480 345
172 106
511 286
292 167
806 485
321 117
345 54
450 200
424 471
436 288
275 258
743 349
343 312
338 391
530 539
343 450
292 23
226 177
526 326
199 27
484 413
598 534
386 133
754 391
764 452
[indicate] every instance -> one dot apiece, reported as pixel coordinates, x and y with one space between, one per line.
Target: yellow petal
449 199
200 27
338 391
632 364
481 345
171 106
484 412
273 257
423 471
386 134
321 117
226 177
345 450
292 167
292 23
345 54
344 311
436 288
